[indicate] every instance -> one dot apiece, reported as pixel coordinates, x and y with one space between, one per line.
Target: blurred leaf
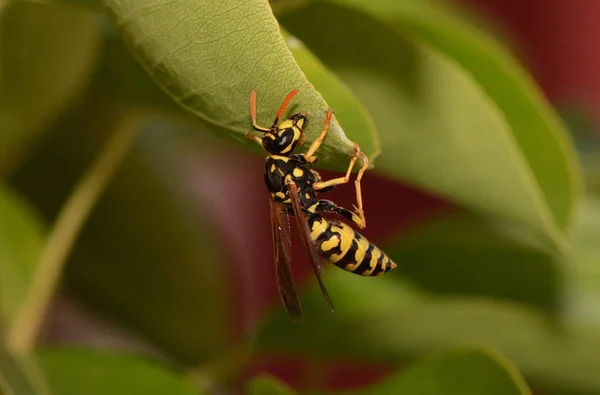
78 371
584 127
541 139
583 286
122 79
47 53
379 320
591 162
149 255
441 131
460 372
20 375
150 258
581 123
268 385
92 4
59 243
209 56
461 254
21 240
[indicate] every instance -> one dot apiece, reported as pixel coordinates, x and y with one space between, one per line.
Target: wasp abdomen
347 249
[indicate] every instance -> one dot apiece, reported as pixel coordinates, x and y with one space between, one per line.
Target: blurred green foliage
103 373
267 385
435 101
445 374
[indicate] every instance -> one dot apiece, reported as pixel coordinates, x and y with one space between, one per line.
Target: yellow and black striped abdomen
347 249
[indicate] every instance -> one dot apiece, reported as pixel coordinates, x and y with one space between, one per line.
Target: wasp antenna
253 107
253 113
284 105
328 118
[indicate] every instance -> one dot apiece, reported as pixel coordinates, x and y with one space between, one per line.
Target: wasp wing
315 259
282 245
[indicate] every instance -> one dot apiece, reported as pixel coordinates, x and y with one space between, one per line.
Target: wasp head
284 137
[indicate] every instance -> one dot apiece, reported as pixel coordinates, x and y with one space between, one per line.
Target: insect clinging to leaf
294 190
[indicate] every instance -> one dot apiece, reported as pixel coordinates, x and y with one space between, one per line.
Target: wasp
294 188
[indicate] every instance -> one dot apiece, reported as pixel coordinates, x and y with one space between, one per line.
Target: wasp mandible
294 188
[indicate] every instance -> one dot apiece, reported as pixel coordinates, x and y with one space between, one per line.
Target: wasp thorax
286 136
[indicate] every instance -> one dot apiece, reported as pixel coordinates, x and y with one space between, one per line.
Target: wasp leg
321 185
310 158
254 138
359 210
318 179
328 206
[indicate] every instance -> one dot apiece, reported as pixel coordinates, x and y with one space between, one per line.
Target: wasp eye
284 140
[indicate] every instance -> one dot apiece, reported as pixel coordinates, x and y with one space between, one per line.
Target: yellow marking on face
298 172
280 195
272 195
287 149
273 168
346 236
306 195
288 123
317 229
279 157
297 133
280 171
313 208
287 201
330 244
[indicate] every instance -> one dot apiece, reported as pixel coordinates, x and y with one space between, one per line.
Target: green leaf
21 241
529 115
59 243
47 54
209 56
268 385
72 371
461 254
461 372
20 375
381 320
440 129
